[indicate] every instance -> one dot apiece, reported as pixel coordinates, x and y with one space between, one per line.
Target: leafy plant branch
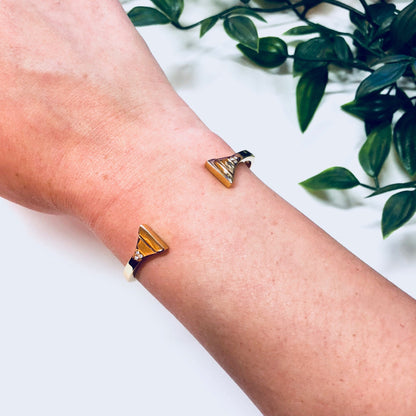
381 45
236 9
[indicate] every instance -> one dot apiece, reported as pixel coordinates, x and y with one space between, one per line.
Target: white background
75 338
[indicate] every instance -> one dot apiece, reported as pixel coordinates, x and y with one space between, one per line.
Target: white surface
85 342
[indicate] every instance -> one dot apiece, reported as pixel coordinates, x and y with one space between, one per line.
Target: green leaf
382 13
381 78
398 209
172 8
373 108
360 22
403 27
404 138
375 150
390 59
309 92
363 44
312 54
272 52
392 187
404 101
207 24
369 126
332 178
245 11
146 16
243 30
342 50
301 30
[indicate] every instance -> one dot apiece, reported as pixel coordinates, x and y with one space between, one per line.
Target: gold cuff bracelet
148 244
224 168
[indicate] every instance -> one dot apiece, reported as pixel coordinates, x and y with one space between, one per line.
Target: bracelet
148 244
224 168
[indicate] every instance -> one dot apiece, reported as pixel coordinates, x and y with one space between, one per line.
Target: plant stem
344 6
276 9
224 13
218 16
302 16
368 186
367 11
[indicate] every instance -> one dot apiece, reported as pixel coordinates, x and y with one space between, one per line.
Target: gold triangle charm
148 244
224 168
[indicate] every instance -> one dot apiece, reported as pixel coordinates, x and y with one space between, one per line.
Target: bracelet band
148 244
224 168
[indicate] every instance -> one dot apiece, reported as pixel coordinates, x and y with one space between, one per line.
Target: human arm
187 280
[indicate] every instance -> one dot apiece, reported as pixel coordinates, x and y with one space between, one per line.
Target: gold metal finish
148 244
224 168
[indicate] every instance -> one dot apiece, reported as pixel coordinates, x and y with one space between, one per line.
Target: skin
302 325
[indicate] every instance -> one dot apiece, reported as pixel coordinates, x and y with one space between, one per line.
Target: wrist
147 177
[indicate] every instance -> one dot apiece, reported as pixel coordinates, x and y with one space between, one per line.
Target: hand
73 74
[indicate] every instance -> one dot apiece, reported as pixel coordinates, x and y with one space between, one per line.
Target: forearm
300 323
